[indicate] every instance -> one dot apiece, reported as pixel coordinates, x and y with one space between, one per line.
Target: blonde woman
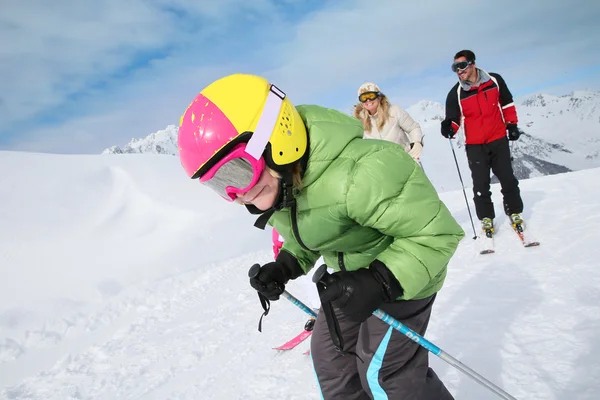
382 120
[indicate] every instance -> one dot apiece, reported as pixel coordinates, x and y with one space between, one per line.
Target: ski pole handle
321 275
253 273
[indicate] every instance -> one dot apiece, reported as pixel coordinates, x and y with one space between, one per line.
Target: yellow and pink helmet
234 127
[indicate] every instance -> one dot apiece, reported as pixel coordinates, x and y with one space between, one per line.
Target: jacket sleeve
408 125
394 196
509 111
453 112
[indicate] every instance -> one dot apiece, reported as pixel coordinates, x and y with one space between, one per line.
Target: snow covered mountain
161 142
572 121
561 135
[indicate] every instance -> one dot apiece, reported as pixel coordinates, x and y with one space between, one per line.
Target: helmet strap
285 199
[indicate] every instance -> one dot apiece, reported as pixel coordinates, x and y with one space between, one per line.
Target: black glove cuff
391 287
291 266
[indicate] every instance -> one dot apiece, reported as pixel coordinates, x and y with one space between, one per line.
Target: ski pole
321 275
463 189
299 304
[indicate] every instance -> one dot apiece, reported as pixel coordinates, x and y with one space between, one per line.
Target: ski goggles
364 97
236 173
460 65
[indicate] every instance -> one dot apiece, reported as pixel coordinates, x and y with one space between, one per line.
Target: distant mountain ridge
561 135
160 142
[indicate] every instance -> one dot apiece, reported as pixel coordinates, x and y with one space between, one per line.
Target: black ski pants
495 156
393 367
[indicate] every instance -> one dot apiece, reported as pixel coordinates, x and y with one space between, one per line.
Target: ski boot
517 222
487 225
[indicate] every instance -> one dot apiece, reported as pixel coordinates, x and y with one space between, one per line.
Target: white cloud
405 47
142 106
53 50
50 49
387 40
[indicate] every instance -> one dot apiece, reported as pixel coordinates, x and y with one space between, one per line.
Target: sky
78 77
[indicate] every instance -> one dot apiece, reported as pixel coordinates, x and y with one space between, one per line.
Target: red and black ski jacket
484 109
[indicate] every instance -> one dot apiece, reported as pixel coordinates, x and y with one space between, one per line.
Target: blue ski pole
321 275
299 304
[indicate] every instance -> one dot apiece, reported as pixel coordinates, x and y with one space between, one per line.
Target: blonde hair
296 175
383 113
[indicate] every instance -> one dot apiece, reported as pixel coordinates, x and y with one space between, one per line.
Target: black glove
513 131
271 278
358 293
447 130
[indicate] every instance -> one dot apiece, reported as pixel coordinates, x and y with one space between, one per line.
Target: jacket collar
482 77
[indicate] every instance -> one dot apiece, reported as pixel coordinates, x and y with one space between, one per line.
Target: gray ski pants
393 367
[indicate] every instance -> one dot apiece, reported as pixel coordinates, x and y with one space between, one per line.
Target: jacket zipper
341 261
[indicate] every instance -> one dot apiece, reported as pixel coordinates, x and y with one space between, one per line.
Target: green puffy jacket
363 200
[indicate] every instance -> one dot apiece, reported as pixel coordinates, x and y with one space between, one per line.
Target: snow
122 279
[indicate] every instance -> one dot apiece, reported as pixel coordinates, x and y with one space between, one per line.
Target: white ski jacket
400 128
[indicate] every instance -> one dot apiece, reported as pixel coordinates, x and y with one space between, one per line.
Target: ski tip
532 244
487 252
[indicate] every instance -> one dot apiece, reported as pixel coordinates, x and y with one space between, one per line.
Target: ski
518 228
308 327
488 244
294 341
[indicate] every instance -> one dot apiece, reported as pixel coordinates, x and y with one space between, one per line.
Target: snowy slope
121 279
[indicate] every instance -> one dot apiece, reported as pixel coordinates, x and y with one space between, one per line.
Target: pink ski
295 341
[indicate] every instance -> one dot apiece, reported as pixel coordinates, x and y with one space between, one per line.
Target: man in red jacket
483 105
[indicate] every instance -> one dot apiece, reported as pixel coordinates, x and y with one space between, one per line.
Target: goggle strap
266 123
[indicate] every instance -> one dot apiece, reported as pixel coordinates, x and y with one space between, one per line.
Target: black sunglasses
461 65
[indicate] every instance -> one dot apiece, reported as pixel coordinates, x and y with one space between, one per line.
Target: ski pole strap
266 305
332 322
